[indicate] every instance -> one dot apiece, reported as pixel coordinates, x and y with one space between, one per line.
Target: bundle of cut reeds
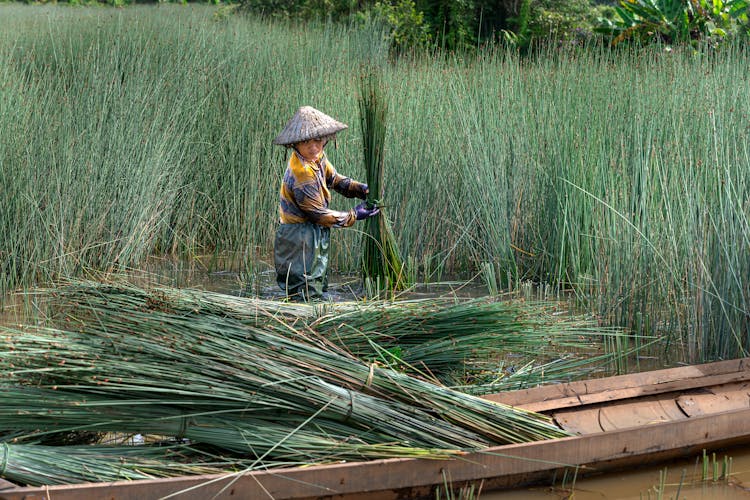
117 361
382 263
444 335
37 465
437 336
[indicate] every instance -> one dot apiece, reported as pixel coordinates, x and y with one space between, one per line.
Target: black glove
364 193
362 212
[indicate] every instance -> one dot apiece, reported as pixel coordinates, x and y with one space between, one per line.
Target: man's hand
362 212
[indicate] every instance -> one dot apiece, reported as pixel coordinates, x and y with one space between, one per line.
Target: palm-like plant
675 21
726 16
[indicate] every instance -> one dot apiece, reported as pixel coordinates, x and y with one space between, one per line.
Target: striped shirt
305 193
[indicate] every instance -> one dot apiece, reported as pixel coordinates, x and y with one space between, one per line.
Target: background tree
466 24
452 21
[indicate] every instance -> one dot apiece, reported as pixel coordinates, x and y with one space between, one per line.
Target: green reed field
623 176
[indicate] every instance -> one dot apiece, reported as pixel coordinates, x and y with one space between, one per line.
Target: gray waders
300 255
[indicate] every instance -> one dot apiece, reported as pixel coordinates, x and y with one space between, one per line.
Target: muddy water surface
673 480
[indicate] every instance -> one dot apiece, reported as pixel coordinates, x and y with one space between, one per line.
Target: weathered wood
716 399
5 485
557 396
620 415
500 467
620 424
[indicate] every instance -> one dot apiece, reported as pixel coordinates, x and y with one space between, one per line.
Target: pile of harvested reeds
436 336
441 336
120 359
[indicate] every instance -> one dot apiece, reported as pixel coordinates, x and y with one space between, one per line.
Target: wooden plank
635 392
503 466
716 399
557 396
582 422
646 411
639 414
555 391
622 415
6 485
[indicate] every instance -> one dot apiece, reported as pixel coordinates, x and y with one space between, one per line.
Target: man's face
311 149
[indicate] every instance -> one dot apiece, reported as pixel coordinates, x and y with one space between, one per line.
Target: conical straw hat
308 123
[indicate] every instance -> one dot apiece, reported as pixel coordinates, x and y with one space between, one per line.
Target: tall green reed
620 175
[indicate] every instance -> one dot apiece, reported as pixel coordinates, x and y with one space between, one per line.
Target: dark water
678 479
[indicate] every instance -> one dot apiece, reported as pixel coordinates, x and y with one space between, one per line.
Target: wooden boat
618 421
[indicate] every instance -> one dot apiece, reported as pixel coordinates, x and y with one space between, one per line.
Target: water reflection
230 274
680 479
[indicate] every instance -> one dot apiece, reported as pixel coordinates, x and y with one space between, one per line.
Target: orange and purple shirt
305 193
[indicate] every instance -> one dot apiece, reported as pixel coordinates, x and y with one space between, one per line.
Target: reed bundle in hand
382 263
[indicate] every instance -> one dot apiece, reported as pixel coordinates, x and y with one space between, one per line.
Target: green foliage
550 21
727 17
406 26
676 21
560 20
336 10
464 24
225 12
521 38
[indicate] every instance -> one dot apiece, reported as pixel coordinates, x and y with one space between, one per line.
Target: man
303 238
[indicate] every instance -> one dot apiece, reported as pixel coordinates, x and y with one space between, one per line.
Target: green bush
560 20
405 25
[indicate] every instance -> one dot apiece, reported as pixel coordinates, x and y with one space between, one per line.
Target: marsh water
678 480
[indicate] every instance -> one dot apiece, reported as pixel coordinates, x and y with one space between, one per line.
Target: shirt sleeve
343 185
311 201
